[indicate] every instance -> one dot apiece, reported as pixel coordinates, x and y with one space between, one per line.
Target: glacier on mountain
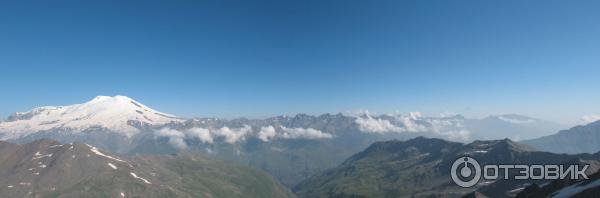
118 113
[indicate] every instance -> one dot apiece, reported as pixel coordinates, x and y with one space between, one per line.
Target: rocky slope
46 168
564 188
421 168
579 139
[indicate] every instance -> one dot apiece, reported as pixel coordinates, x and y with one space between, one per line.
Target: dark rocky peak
422 143
504 145
418 146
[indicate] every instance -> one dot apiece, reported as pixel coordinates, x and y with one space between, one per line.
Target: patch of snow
10 186
97 152
122 194
544 184
516 189
55 146
135 176
43 166
41 156
475 152
112 166
424 155
487 182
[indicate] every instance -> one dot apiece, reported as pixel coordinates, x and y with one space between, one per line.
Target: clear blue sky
262 58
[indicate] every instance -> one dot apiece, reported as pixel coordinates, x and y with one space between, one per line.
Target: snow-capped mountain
118 114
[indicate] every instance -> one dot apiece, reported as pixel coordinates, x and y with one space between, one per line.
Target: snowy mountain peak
117 113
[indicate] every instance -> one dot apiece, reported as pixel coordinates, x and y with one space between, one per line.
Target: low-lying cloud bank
233 135
376 125
589 119
302 133
414 122
269 132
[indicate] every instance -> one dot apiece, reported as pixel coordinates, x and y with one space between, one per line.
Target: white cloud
438 125
267 133
457 135
451 129
589 119
167 132
410 125
175 137
516 121
309 133
177 142
202 134
233 135
369 124
399 123
415 115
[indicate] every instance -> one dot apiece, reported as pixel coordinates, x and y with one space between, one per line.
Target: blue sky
263 58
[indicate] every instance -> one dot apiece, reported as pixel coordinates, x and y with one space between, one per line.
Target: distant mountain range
420 167
512 126
126 117
291 148
46 168
579 139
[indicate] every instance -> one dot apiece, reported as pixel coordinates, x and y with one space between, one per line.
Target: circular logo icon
466 172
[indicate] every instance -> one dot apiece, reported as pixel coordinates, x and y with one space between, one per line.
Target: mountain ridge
420 167
578 139
31 170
